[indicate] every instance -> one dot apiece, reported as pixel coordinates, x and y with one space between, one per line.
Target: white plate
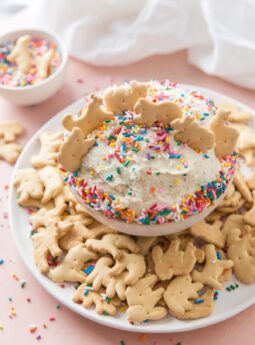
228 304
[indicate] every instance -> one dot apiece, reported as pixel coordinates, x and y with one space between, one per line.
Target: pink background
69 328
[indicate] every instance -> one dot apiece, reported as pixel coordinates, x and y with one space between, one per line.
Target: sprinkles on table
11 76
129 144
232 287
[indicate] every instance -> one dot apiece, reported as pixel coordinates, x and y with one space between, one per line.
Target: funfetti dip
143 174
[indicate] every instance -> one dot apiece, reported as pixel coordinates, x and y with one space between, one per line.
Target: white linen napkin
218 34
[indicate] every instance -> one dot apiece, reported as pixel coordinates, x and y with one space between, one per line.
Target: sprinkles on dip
140 173
27 61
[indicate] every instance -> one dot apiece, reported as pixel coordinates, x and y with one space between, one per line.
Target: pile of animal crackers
148 277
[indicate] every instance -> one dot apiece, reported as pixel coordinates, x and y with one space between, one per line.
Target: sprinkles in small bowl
43 55
27 60
33 65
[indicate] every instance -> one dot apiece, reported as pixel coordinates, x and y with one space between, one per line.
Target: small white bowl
33 94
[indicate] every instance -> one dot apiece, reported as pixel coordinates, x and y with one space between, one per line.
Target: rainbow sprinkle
143 337
232 287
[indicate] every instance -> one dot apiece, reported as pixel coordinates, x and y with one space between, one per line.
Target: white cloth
218 34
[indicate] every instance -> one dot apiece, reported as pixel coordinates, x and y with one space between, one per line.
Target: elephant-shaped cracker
101 276
142 300
45 243
174 261
71 268
202 309
133 263
101 273
209 232
179 293
212 270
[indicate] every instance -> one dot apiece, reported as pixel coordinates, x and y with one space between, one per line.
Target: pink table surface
69 328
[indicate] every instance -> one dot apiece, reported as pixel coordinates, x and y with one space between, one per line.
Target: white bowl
33 94
150 229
